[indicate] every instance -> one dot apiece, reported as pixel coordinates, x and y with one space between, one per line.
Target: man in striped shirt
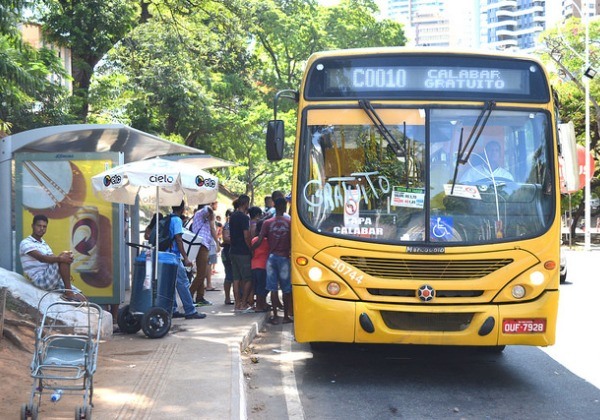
44 269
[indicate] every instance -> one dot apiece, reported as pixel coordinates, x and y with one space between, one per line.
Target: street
286 379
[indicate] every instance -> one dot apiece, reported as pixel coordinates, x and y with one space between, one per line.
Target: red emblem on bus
426 293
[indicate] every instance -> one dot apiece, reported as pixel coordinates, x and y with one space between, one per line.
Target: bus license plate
524 326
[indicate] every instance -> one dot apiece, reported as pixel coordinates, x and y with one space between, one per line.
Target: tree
563 50
204 73
29 99
89 28
160 85
289 31
352 24
564 47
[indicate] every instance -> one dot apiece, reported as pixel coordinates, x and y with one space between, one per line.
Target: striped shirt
201 226
30 265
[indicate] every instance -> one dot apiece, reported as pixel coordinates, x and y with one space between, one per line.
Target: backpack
164 234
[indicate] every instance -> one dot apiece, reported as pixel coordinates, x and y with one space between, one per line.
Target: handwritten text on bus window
331 194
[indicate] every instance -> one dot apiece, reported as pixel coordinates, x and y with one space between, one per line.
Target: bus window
354 183
503 190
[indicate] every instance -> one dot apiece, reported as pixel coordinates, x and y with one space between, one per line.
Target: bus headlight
518 291
536 278
333 288
315 274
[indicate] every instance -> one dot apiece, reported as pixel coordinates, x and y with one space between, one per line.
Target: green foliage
352 24
563 53
290 31
27 96
89 28
199 72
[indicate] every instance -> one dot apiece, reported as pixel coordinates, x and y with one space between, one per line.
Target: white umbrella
156 181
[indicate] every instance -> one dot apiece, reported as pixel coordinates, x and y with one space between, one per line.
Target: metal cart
66 352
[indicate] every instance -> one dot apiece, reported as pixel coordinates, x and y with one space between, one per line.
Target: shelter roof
135 144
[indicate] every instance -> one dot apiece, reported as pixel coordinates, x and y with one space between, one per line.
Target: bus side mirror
275 140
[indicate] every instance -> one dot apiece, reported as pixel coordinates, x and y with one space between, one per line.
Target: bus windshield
354 184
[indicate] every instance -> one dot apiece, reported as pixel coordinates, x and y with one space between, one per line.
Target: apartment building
575 8
32 34
508 25
512 24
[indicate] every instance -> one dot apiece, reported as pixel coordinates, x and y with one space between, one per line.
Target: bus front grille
438 293
421 321
427 269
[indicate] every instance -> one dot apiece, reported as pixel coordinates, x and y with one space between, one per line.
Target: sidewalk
194 371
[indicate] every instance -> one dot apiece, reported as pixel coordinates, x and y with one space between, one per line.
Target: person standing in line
259 271
268 203
275 301
201 226
240 254
270 212
183 284
277 231
219 227
255 213
225 245
214 249
45 270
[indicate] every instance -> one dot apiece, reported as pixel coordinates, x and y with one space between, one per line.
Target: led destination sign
427 77
420 78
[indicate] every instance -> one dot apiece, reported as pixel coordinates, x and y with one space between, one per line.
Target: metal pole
588 223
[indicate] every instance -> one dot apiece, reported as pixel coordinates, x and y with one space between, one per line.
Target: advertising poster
58 185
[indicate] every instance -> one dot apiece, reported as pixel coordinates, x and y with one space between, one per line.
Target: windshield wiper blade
396 147
468 147
477 127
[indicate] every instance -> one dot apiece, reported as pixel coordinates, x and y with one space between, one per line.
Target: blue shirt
176 228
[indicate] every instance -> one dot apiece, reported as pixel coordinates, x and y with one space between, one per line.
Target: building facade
505 25
513 25
32 34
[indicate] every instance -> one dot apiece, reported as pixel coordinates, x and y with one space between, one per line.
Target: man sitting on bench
44 269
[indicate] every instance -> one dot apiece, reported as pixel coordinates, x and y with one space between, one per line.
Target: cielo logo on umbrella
161 178
205 182
112 180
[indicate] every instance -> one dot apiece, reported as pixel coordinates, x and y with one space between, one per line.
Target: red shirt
261 254
277 231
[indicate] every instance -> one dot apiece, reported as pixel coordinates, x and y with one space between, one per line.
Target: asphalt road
286 379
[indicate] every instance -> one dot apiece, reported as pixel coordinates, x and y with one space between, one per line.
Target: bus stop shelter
68 141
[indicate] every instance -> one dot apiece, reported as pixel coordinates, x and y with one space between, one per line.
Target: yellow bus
425 199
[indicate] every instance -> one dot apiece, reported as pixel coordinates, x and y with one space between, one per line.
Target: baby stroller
65 353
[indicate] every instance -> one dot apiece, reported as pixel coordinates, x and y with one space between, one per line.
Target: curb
238 382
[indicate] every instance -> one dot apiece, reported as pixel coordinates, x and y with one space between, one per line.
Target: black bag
164 234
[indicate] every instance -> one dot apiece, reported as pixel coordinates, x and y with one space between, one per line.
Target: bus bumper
320 319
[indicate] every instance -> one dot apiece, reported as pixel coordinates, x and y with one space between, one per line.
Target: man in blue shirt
183 284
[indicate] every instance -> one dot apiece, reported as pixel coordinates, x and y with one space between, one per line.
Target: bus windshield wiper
396 147
464 151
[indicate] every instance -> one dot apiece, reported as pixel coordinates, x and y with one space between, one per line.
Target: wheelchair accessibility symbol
441 228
